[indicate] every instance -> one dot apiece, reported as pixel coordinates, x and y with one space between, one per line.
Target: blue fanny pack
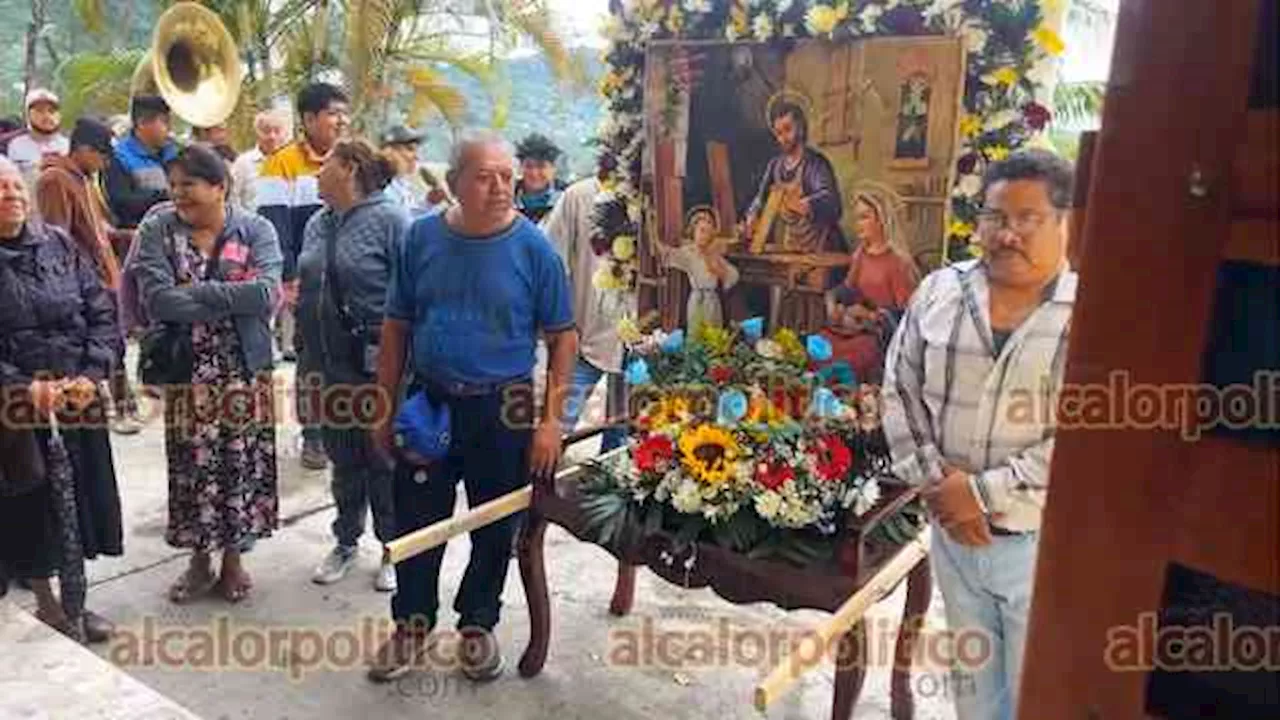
423 429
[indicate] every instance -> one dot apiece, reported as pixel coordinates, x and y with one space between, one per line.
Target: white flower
762 26
697 6
867 498
768 349
783 6
870 15
975 38
969 185
789 30
687 497
730 33
1000 120
768 505
649 29
797 513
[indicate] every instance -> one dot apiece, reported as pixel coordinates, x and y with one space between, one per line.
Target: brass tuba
193 64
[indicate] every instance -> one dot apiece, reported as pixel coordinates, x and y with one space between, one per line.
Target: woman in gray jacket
204 265
345 268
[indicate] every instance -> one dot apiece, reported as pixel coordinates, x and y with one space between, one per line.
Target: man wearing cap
538 189
410 187
64 194
42 136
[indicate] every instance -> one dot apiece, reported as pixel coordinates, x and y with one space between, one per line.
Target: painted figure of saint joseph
797 208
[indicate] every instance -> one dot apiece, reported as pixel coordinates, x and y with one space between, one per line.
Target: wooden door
1150 526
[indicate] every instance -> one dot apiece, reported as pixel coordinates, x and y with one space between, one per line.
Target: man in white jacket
272 128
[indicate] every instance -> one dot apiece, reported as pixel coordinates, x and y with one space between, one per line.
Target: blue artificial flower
732 407
838 373
638 372
825 404
819 348
753 328
674 341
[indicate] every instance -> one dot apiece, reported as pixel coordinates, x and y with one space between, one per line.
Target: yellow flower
762 411
624 247
1048 40
960 229
975 249
996 153
670 410
1003 76
738 21
842 11
970 125
610 82
675 19
717 340
709 454
792 349
604 279
821 19
629 331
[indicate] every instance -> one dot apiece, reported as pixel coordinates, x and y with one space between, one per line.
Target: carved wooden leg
534 575
851 670
919 593
624 590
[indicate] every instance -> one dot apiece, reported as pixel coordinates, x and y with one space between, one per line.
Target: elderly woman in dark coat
214 271
57 346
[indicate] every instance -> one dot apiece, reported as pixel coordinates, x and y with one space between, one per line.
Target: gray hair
468 139
274 115
9 167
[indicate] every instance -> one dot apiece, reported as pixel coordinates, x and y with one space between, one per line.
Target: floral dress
220 442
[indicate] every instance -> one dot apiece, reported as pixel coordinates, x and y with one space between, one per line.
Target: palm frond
97 83
431 90
370 26
1078 103
532 19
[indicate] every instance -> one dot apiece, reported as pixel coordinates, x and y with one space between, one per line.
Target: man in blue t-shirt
470 293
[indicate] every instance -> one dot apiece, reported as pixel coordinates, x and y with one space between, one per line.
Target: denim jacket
245 287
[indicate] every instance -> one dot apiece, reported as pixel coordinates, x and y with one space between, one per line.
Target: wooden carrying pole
789 670
420 541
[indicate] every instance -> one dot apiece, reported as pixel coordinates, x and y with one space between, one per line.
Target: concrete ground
585 677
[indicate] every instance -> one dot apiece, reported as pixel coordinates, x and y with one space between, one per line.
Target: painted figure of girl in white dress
702 259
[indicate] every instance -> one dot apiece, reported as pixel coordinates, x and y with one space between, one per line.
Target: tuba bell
193 63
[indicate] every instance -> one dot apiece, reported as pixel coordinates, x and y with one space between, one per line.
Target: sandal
190 586
235 592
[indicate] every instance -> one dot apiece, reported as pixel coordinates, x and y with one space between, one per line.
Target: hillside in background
536 104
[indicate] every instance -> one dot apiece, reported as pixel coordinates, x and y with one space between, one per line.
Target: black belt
465 389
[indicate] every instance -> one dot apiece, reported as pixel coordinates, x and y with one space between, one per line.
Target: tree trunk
29 69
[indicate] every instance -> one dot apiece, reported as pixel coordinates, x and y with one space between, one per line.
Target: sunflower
670 410
709 454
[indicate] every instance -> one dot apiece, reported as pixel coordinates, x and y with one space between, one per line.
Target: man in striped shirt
971 382
287 194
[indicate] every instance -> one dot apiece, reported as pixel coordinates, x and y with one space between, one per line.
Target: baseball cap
92 133
423 429
42 95
401 135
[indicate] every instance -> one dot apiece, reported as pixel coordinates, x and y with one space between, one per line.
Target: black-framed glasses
1023 223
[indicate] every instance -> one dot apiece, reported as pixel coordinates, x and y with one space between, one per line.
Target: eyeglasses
1023 223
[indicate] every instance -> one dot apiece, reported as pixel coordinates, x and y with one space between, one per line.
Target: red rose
834 458
773 476
721 374
653 450
1036 115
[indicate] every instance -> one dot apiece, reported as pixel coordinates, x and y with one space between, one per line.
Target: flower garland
1006 41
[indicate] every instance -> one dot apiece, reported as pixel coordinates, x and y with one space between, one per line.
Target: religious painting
775 138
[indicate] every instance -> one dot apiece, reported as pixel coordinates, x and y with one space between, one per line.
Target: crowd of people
368 269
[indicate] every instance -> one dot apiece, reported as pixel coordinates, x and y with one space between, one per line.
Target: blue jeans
987 591
585 378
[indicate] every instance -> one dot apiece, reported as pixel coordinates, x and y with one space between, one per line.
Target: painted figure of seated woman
702 260
863 311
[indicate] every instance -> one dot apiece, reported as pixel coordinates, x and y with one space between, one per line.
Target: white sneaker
335 566
385 580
